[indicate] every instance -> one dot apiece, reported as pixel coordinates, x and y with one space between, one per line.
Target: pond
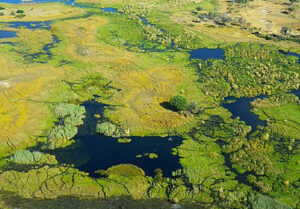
205 53
241 108
92 152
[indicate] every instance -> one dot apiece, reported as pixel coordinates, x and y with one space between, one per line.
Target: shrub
178 103
286 31
1 14
194 108
20 15
125 170
264 202
2 8
106 128
62 132
19 11
63 110
26 157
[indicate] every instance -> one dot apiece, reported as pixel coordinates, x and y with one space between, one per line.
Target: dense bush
178 103
69 116
250 71
106 128
264 202
19 11
194 108
27 157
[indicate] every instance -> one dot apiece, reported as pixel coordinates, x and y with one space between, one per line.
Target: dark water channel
92 151
205 53
241 108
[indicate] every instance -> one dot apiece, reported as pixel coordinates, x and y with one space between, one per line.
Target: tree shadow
167 106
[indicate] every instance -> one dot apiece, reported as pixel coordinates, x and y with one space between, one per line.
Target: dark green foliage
264 202
2 8
241 1
19 11
1 14
178 103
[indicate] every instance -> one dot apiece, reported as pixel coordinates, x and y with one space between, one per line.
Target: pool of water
92 152
205 53
7 34
297 93
241 108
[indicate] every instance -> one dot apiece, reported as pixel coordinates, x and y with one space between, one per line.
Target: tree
286 31
178 103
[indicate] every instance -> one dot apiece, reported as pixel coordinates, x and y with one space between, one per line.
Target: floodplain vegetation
141 69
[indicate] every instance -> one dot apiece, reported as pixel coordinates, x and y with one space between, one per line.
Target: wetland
149 104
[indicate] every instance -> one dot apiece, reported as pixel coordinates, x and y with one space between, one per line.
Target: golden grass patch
40 12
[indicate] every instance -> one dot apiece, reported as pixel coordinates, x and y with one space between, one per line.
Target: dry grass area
267 15
23 113
39 12
229 34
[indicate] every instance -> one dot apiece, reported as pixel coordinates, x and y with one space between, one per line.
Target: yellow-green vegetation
139 67
32 41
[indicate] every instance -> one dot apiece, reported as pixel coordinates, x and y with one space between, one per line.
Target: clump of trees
69 117
107 128
26 157
178 103
217 18
286 31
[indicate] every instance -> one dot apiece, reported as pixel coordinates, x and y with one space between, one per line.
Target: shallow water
30 24
205 53
7 34
242 108
297 93
94 152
